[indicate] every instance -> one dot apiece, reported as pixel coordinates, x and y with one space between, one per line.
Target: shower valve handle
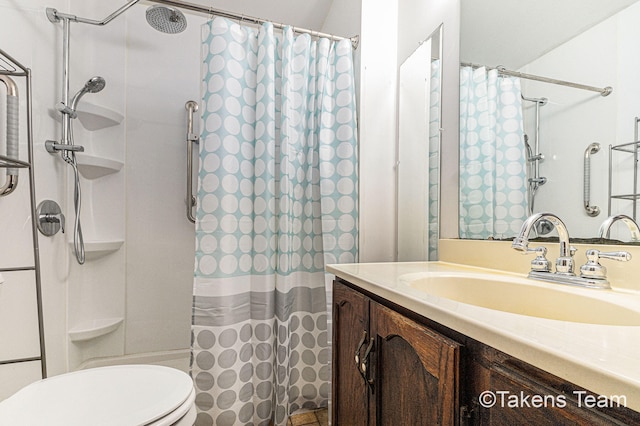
50 218
54 218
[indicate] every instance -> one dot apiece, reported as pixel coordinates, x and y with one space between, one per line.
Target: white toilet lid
119 395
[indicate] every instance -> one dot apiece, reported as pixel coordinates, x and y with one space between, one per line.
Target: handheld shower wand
68 150
94 85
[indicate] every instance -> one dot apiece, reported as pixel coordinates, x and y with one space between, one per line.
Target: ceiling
309 14
491 28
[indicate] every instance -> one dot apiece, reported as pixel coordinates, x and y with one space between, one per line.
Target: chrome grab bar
591 149
12 135
191 107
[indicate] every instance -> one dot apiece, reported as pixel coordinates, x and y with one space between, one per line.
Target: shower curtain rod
355 40
502 70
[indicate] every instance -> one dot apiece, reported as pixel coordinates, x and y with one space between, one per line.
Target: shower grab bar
591 149
191 107
12 135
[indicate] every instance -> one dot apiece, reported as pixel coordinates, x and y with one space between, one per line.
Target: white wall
163 73
377 127
27 35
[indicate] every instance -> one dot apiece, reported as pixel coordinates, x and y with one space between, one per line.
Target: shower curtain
434 158
277 201
493 181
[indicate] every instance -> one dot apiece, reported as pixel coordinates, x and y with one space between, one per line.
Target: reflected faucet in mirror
605 228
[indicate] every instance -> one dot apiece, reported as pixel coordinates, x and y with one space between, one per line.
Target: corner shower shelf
93 167
94 329
97 249
96 117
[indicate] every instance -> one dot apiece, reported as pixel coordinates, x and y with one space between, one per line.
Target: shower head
166 19
94 85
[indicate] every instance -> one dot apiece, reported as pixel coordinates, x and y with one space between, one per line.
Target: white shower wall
163 73
26 34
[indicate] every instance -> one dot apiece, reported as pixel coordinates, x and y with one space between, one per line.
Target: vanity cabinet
411 370
530 396
389 369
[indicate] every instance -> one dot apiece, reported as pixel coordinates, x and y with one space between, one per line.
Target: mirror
419 100
545 131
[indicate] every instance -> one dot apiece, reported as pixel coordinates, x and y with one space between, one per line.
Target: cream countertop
604 359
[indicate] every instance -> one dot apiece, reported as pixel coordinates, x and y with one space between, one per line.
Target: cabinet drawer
524 401
18 316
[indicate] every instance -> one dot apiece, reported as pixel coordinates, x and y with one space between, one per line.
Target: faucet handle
621 256
540 263
593 268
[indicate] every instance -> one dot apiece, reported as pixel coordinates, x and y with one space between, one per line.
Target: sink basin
528 297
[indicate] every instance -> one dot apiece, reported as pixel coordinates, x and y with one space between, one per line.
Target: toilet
122 395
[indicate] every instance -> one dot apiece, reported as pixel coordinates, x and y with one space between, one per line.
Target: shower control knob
50 218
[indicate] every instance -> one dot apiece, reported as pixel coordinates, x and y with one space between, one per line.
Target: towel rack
631 148
191 107
9 69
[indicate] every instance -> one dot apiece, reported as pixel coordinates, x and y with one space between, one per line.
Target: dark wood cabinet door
350 392
415 372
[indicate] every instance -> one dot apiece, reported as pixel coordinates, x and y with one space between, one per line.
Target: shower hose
78 241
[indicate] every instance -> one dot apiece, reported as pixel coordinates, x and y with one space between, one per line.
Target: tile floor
310 418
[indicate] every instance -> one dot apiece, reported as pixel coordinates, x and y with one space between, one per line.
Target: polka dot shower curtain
277 200
493 181
434 158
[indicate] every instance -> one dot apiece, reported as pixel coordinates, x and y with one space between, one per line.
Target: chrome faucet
605 228
592 274
564 263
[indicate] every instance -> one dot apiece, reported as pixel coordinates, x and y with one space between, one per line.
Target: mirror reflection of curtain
434 158
493 181
277 200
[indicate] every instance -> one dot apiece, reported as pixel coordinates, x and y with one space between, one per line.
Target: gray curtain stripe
228 310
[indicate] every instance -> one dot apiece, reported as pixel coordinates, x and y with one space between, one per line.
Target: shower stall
115 290
123 294
162 18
